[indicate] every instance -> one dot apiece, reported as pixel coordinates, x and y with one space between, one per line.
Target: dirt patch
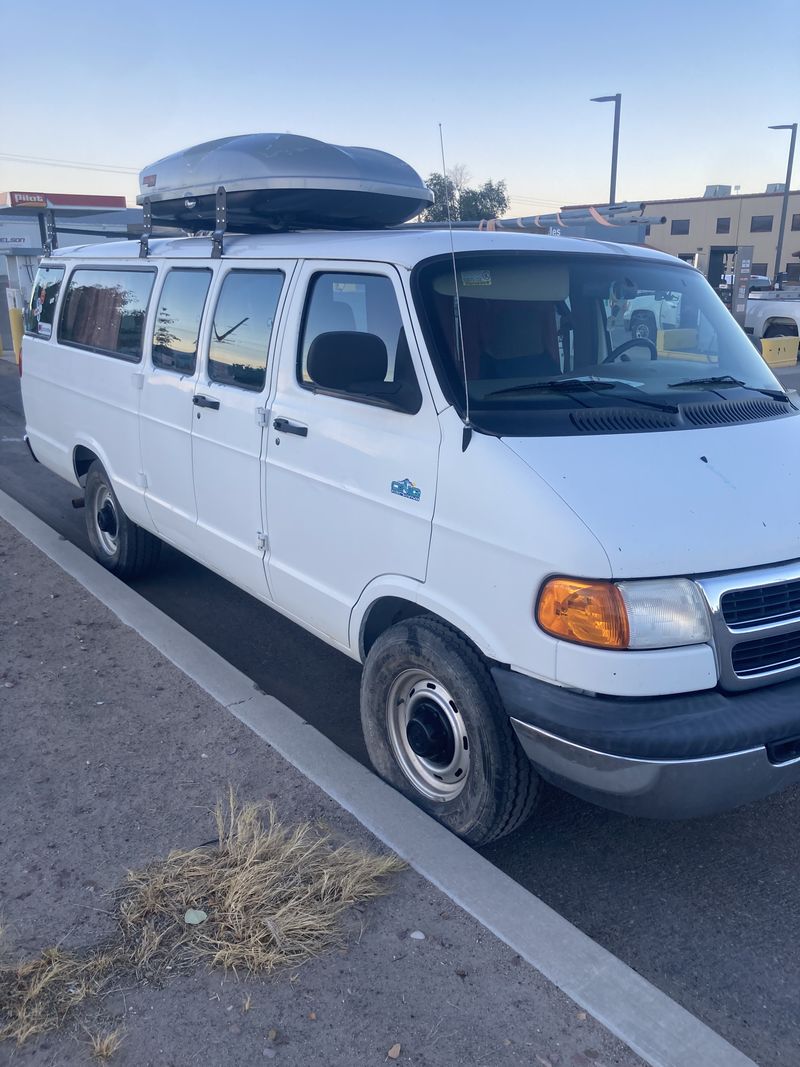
263 895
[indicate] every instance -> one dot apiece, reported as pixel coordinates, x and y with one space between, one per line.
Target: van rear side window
105 311
242 328
177 328
41 311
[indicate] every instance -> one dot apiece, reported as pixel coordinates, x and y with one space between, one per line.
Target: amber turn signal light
591 613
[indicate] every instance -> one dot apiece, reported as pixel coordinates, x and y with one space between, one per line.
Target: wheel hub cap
106 521
428 736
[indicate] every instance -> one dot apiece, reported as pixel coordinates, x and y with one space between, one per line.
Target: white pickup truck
773 313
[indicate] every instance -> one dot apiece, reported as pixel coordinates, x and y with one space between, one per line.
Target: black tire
121 547
500 787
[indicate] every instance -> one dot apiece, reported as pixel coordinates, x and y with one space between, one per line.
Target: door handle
284 426
205 402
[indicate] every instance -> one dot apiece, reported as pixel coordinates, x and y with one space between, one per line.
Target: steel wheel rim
106 521
427 735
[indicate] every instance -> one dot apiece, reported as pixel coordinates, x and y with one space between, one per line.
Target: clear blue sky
122 84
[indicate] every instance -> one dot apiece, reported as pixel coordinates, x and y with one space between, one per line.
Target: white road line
652 1024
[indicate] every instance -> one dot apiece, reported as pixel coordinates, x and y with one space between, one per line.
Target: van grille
767 654
756 620
767 603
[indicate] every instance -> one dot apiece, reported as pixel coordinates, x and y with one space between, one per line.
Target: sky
120 85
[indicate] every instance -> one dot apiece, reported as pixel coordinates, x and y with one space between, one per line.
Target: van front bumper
672 757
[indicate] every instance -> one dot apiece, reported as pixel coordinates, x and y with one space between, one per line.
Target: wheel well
82 459
788 324
384 613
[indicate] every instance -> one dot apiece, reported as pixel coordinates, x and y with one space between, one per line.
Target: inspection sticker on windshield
476 277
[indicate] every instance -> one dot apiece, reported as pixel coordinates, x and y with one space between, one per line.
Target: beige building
707 230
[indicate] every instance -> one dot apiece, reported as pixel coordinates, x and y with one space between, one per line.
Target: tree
488 201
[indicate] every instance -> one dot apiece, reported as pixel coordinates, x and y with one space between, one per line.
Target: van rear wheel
120 545
435 729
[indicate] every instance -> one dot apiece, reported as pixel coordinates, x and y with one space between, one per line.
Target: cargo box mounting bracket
220 224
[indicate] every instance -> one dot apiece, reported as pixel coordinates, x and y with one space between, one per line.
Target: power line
109 168
526 199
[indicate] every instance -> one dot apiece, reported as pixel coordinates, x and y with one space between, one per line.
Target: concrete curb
652 1024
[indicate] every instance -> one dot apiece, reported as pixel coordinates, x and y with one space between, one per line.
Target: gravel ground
110 756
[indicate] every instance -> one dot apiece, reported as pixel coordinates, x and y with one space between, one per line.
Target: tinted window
40 313
680 226
796 222
177 326
242 327
758 268
105 310
378 369
761 224
724 225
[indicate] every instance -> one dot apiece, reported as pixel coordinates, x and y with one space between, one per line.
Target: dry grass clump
104 1046
35 996
273 896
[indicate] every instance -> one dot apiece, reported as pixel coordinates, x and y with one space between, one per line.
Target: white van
557 554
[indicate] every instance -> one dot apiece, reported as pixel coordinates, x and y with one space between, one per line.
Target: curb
653 1025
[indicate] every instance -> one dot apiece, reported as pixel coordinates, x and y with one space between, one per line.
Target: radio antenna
459 330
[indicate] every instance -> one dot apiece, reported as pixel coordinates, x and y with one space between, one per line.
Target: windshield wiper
556 385
728 379
569 385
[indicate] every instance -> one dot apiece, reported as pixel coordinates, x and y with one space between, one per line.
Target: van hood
683 501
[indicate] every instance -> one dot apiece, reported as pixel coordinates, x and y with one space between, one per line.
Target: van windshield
546 334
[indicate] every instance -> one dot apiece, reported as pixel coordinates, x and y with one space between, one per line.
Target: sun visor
281 181
506 281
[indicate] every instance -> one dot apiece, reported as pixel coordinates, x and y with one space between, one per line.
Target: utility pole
785 206
616 99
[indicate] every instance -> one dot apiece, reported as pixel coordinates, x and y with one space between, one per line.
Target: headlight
652 613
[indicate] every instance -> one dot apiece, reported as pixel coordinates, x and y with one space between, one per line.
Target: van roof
403 246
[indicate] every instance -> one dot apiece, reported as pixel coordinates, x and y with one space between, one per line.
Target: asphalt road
706 910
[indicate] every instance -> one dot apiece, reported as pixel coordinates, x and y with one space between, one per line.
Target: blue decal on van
407 489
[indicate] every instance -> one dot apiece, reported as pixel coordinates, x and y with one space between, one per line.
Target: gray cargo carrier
280 181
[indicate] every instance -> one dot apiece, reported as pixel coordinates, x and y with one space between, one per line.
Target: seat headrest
340 358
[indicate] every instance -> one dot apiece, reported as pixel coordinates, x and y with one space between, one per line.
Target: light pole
785 206
617 101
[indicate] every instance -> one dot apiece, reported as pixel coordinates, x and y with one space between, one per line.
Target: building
78 219
707 230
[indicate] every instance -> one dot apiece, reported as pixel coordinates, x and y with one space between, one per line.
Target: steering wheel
633 343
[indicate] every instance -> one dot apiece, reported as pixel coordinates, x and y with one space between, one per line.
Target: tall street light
617 101
785 206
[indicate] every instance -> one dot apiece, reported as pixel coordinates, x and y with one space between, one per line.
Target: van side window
353 342
41 311
105 311
242 327
177 326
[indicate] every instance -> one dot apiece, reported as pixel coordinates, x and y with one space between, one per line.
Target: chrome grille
749 607
756 621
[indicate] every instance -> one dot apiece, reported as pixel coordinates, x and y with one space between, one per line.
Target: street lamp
785 206
617 101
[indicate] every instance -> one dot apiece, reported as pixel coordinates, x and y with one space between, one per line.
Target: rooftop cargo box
279 181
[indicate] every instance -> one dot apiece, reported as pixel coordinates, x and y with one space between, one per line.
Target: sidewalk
112 757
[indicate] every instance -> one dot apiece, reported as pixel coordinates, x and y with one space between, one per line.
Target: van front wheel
120 545
436 730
